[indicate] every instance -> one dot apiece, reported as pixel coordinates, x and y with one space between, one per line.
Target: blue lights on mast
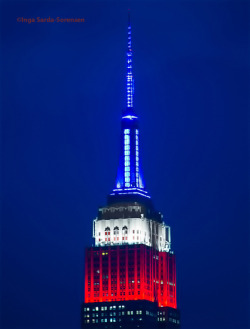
129 179
130 82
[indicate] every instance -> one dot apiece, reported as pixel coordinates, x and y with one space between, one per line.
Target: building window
124 230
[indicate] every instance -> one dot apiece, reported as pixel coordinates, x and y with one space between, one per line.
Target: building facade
130 273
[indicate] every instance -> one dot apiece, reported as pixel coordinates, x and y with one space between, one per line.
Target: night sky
63 90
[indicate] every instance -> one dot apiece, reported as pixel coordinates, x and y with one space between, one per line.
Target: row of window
116 230
127 158
119 295
138 312
122 276
127 153
111 307
127 132
105 320
117 238
107 230
174 320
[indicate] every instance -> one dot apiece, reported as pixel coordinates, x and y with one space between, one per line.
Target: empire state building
130 273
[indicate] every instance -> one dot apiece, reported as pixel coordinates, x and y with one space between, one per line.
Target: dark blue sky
63 90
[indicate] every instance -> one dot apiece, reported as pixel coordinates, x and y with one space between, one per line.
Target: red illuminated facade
130 273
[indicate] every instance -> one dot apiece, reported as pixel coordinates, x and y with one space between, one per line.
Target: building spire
130 80
129 181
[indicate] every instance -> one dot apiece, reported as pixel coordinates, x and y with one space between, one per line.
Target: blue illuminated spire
130 79
129 178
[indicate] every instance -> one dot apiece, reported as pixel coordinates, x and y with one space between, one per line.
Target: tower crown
131 267
129 181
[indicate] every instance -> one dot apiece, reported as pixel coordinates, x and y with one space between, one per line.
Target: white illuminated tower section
130 273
